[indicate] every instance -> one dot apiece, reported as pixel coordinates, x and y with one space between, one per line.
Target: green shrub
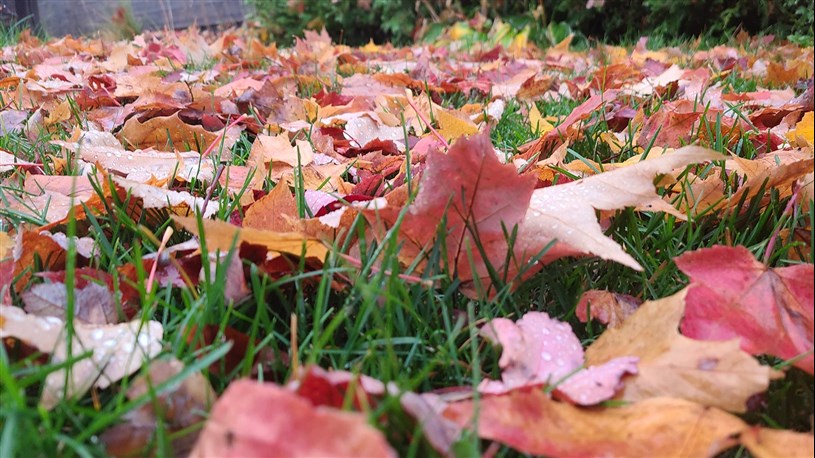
627 20
352 22
356 22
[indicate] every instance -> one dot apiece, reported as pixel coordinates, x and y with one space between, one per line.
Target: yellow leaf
370 47
539 125
6 244
519 42
452 126
223 236
459 31
802 135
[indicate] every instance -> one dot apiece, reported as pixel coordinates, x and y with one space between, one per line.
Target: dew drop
546 356
109 343
97 334
143 339
53 320
560 362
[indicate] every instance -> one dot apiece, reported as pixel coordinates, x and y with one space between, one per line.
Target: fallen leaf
254 419
113 351
716 374
803 134
606 307
179 202
168 133
268 149
532 423
566 213
733 296
179 408
441 433
453 125
93 303
538 350
224 236
364 129
470 186
773 443
270 211
331 388
539 125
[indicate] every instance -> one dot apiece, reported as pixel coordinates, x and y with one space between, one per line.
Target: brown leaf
270 211
532 423
716 374
606 307
224 236
773 443
254 419
181 407
168 133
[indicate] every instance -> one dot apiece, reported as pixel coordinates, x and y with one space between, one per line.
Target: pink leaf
733 295
539 350
254 419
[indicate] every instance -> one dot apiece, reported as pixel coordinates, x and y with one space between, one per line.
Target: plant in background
351 22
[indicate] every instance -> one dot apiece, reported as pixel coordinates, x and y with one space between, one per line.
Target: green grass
421 338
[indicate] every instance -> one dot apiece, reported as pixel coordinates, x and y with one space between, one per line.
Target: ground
617 239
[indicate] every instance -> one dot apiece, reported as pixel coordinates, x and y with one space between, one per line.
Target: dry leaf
566 213
224 236
116 351
606 307
733 296
254 419
532 423
538 350
716 374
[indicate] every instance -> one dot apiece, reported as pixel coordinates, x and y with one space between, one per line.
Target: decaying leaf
533 423
606 307
224 236
181 407
107 352
715 374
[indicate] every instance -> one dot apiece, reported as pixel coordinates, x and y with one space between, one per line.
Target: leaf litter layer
418 248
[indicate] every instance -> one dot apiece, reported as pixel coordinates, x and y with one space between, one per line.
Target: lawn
472 245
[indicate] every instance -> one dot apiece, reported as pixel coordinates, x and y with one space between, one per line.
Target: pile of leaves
203 239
